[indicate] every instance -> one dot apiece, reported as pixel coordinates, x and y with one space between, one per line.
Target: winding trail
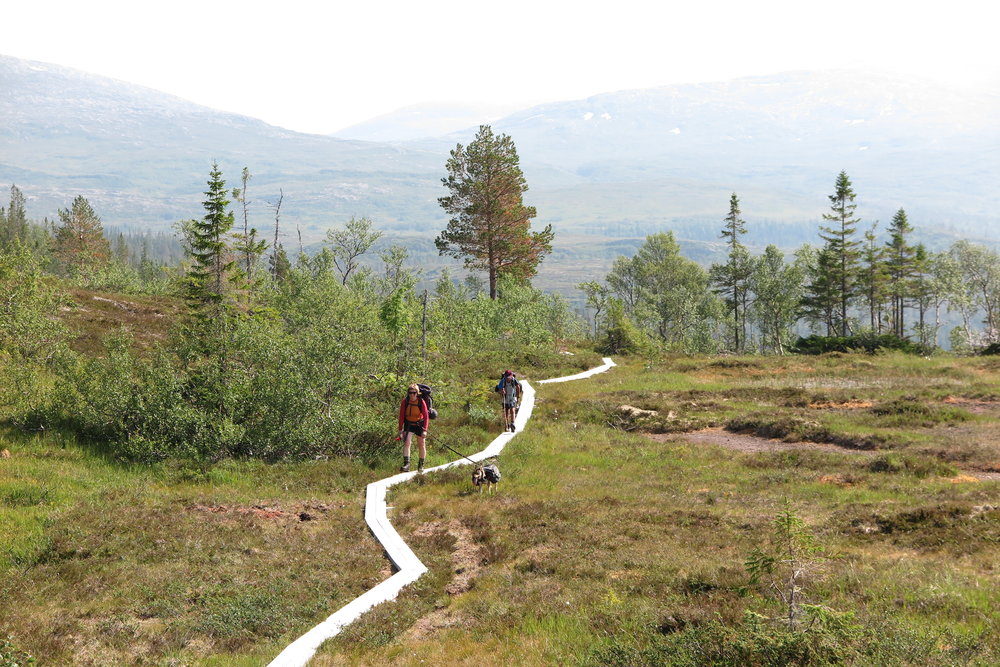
408 566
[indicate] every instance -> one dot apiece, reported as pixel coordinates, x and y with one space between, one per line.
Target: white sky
322 66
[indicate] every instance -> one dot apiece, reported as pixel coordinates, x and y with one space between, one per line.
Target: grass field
606 546
616 537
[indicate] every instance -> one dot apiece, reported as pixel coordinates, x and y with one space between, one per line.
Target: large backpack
425 393
499 386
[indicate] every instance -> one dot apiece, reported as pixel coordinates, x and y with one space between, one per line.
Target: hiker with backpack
510 395
415 413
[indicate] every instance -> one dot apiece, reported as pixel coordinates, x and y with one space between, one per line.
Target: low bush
918 466
869 343
991 349
904 412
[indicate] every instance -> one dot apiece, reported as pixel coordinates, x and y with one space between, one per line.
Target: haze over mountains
614 166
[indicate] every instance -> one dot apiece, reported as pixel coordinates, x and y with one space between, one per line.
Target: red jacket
424 413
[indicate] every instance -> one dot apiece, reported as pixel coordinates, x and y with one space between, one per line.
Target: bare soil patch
844 405
439 619
977 407
303 512
743 442
466 556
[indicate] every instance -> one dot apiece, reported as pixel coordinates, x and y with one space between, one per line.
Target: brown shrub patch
843 481
304 512
963 479
841 405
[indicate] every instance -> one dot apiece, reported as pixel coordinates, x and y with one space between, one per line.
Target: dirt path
743 442
466 561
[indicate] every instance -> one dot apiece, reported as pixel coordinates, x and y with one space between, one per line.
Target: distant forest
737 292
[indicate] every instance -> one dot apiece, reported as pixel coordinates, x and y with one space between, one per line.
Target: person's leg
422 448
406 451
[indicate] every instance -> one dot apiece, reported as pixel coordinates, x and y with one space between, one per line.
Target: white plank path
409 568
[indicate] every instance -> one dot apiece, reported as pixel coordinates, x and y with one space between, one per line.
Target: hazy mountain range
614 166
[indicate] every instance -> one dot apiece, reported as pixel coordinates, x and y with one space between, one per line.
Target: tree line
851 285
278 357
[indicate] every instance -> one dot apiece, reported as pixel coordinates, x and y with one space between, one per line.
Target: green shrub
905 412
918 466
11 656
869 343
992 348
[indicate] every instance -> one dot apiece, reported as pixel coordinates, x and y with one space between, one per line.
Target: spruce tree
842 248
731 280
208 278
900 262
15 226
873 279
821 299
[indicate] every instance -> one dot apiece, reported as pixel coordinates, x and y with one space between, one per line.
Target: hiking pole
503 411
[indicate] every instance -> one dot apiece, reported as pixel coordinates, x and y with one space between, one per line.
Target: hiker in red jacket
414 420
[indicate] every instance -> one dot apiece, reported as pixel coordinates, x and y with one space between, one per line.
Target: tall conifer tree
821 299
15 226
208 277
732 279
900 262
79 239
490 225
873 279
843 248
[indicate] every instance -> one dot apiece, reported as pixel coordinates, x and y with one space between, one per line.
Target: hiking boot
512 429
404 468
420 465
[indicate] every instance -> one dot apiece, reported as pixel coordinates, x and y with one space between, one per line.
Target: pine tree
79 240
842 248
732 279
900 262
490 225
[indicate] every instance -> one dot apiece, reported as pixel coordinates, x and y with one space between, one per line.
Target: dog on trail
486 475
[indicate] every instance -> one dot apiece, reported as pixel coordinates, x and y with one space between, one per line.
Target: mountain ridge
655 158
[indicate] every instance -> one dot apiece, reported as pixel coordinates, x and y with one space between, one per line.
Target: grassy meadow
610 544
616 537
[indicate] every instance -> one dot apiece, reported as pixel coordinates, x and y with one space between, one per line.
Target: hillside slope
618 165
